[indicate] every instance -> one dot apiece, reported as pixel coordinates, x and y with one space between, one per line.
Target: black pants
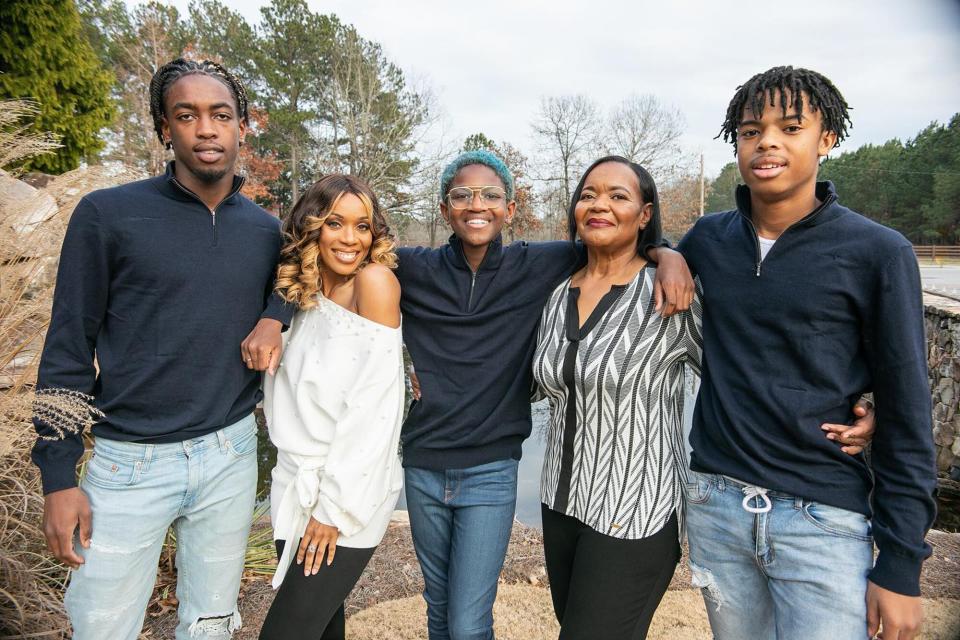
605 588
311 607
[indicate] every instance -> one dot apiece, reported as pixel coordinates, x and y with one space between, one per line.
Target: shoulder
378 295
257 214
880 238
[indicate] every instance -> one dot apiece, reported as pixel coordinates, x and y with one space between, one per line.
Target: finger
331 551
852 450
67 554
318 557
302 550
86 528
274 361
873 618
657 295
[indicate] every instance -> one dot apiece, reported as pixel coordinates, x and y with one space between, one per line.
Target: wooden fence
936 253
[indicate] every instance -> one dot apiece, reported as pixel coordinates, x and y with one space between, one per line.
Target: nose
205 128
476 203
768 138
349 235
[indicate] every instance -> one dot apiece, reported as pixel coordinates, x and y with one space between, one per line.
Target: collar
491 260
170 187
825 191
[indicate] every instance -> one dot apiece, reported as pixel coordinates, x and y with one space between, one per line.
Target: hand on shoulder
378 295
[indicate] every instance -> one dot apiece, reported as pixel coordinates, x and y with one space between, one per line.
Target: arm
673 288
903 452
262 348
852 438
66 379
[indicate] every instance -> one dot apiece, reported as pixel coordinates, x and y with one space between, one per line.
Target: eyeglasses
462 197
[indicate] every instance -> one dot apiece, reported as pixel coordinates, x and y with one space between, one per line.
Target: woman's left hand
673 288
317 540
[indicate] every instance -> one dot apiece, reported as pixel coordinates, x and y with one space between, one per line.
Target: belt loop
721 482
222 440
798 503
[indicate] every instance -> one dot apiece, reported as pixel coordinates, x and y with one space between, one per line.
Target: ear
828 140
511 211
243 131
645 214
444 212
165 130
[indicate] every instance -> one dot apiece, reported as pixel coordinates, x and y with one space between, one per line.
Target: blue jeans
461 521
795 570
205 488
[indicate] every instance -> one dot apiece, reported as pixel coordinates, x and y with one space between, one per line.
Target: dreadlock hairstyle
169 73
791 85
299 271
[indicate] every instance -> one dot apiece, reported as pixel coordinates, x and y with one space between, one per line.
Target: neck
772 217
330 281
614 265
210 193
474 255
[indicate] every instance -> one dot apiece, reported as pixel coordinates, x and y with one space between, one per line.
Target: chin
208 175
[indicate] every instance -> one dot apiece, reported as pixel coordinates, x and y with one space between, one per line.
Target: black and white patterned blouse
615 456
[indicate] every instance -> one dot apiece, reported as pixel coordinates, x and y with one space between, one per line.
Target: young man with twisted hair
160 281
809 305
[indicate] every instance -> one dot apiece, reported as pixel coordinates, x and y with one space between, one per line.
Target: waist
220 439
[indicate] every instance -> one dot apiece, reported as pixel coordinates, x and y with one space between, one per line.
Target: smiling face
778 155
346 235
479 223
610 213
201 121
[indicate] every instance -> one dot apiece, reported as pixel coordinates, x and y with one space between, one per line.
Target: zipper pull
758 269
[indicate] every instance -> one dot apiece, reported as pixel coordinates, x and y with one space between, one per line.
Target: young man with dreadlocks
807 305
160 280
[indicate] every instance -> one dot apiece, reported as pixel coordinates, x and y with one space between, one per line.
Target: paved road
945 278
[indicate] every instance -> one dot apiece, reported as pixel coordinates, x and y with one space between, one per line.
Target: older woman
613 371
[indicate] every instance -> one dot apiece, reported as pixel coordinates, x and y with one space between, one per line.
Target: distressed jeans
772 565
461 520
205 488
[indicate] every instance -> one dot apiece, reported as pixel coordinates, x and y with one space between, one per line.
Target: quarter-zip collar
491 259
171 187
825 193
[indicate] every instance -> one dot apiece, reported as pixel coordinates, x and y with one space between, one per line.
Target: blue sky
489 63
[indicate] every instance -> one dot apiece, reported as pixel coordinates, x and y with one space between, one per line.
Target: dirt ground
386 603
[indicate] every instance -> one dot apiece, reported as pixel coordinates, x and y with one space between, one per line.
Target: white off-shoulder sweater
334 411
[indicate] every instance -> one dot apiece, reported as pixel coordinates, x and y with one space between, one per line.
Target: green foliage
720 193
912 187
45 56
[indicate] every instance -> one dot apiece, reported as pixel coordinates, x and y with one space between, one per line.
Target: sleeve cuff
279 310
897 573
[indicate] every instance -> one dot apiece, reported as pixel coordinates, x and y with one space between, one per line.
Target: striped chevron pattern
616 462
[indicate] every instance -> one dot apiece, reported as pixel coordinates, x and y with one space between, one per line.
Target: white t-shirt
765 245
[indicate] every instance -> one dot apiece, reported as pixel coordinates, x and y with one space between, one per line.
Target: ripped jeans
772 565
205 488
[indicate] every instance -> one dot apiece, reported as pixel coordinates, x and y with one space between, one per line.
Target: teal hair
480 156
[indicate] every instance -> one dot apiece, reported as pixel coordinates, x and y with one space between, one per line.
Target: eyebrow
611 188
798 117
193 107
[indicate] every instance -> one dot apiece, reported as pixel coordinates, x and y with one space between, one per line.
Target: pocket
112 471
698 487
243 445
837 521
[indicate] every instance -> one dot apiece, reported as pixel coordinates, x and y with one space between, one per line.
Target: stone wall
942 316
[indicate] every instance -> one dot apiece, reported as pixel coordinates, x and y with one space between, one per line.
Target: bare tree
645 131
567 130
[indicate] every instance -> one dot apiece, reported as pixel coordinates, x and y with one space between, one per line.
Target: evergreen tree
720 196
44 55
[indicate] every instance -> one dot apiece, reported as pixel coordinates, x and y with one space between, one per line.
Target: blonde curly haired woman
335 405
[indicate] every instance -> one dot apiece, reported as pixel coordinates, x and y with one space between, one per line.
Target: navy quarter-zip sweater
162 291
833 311
471 337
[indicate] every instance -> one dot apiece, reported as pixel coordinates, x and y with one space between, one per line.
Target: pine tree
44 56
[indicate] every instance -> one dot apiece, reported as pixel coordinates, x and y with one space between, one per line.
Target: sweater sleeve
67 376
362 460
693 329
903 451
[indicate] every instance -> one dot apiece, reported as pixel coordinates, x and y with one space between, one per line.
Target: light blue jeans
795 570
461 520
204 487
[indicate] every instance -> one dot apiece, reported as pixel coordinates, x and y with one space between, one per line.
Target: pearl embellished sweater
334 410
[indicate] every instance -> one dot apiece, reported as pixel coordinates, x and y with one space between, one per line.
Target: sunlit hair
300 268
652 234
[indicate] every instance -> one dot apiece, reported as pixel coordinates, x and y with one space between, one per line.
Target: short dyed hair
480 156
791 84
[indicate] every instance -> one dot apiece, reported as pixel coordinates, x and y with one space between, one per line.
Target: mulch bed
395 573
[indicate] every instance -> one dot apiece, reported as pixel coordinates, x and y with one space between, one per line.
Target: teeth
346 257
476 222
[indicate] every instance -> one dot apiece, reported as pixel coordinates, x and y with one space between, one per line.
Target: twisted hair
791 84
300 269
169 73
